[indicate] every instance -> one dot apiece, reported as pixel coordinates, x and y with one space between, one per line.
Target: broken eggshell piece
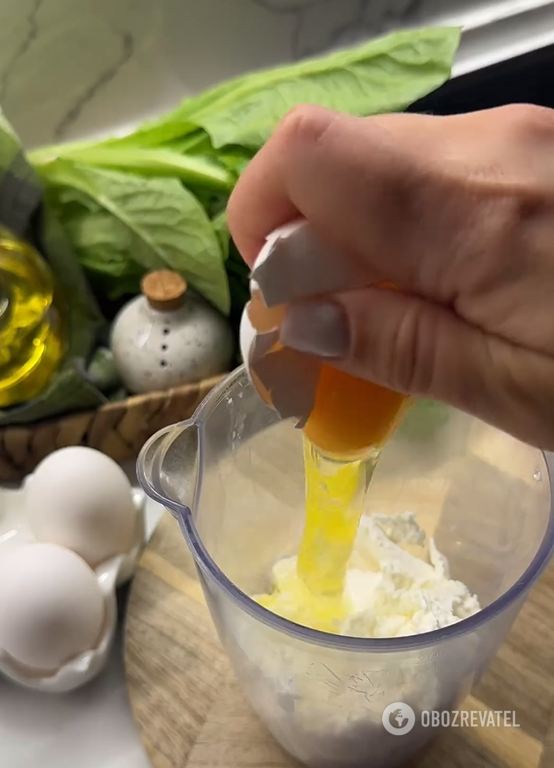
294 264
285 379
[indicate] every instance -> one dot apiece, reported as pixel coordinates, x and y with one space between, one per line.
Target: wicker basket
117 429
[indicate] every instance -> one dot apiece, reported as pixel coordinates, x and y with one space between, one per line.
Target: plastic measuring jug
233 476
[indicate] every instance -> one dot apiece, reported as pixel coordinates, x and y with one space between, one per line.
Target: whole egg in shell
51 607
81 499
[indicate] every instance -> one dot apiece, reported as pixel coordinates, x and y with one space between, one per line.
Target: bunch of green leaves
156 197
115 209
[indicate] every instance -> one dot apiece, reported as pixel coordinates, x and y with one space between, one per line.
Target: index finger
351 178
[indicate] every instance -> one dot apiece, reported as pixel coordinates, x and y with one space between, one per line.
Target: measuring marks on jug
379 685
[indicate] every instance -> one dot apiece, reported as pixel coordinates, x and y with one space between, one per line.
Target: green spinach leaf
222 231
384 75
133 224
194 170
82 317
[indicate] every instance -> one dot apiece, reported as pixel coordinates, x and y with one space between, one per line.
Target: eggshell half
295 263
285 379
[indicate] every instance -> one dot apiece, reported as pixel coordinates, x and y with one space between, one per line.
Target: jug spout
167 467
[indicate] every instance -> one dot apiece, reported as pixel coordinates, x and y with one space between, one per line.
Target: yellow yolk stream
312 593
335 492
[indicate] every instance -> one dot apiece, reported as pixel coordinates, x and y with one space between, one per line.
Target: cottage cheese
388 591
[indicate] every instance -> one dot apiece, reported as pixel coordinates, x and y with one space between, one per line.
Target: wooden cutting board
190 711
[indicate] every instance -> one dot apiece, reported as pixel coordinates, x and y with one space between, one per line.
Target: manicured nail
318 328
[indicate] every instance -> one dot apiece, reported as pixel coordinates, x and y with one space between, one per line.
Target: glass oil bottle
31 345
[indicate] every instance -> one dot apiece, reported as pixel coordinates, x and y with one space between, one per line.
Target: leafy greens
156 198
152 199
126 226
383 75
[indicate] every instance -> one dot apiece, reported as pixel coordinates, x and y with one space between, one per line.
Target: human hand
458 212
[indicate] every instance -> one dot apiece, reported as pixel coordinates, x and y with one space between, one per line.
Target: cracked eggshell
297 263
57 617
285 379
81 499
294 264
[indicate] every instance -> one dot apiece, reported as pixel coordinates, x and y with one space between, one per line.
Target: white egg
81 499
51 607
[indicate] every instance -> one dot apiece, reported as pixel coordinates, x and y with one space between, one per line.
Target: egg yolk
335 492
351 415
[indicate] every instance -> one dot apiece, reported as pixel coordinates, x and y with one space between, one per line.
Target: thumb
402 342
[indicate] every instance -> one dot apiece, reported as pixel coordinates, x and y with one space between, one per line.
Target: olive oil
31 346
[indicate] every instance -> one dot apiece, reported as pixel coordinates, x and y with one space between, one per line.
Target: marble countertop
90 728
77 68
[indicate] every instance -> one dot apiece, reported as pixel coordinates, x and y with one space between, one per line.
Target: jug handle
150 461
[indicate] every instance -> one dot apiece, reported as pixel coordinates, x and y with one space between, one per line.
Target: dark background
525 79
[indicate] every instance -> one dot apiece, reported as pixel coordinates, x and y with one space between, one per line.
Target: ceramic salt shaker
169 336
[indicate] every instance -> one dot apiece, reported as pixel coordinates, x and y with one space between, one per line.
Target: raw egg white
51 607
81 499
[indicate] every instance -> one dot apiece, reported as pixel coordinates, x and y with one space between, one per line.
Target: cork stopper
164 290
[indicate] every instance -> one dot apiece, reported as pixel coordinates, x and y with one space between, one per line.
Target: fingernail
318 328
